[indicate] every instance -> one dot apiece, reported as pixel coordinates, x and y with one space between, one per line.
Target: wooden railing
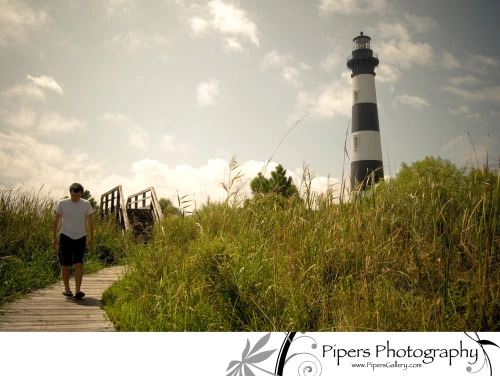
113 204
141 211
146 199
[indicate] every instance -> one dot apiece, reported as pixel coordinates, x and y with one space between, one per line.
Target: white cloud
321 184
387 74
411 101
170 145
448 60
274 59
397 50
325 101
390 31
228 19
351 6
494 114
482 64
292 77
208 92
199 25
114 118
119 7
18 20
291 73
490 94
22 156
134 43
332 61
21 118
203 182
46 82
24 92
197 183
54 124
232 44
138 137
464 110
405 53
232 20
27 162
16 103
420 24
33 90
468 89
464 80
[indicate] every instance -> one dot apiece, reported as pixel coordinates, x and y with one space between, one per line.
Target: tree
438 173
87 196
278 183
167 208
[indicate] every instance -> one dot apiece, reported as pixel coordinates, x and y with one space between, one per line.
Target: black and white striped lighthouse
366 154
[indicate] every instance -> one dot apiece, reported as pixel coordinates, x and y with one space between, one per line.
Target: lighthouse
366 154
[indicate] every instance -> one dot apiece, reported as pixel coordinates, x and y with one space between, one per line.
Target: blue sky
164 93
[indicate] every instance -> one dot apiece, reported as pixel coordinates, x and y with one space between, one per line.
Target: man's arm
55 229
90 228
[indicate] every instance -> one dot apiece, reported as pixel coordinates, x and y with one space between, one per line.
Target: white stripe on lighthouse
366 146
364 85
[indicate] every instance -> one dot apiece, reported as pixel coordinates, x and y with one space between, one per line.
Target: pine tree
278 183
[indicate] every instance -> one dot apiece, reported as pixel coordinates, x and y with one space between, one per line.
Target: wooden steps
47 310
139 214
141 221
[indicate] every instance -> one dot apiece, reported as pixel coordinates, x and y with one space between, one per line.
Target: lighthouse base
365 173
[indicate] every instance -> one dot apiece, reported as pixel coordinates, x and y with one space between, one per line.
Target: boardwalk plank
48 310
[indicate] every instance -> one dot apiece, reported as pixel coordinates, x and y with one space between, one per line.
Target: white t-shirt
73 217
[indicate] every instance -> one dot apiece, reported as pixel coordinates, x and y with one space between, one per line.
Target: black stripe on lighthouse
361 171
365 117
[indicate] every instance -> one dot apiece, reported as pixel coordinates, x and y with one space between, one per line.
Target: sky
165 93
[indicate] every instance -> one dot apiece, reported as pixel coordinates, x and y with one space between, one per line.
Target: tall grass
419 253
408 255
27 258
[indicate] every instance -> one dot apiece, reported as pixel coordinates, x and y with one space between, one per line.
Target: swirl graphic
487 361
309 367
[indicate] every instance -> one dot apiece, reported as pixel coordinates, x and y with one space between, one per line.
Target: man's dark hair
76 187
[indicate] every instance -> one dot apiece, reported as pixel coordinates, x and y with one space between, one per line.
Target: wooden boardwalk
47 310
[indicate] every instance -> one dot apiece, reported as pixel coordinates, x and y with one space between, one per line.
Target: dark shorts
71 251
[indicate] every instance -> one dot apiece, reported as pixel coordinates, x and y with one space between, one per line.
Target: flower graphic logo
249 359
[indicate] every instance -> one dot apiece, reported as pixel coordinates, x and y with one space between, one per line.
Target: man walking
74 212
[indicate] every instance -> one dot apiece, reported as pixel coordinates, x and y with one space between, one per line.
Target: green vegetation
28 260
168 208
278 184
418 253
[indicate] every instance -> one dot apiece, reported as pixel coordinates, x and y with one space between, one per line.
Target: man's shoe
79 295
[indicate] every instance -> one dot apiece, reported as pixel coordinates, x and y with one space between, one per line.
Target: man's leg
65 276
78 258
78 276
